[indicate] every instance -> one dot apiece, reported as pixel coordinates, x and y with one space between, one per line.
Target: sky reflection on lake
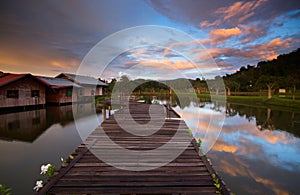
32 138
251 158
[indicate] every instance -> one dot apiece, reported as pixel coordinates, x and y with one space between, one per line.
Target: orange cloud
167 51
278 43
266 51
240 10
235 13
271 185
221 35
139 52
225 32
206 23
236 168
217 36
166 64
36 61
223 147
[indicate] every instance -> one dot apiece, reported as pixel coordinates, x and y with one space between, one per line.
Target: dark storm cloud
44 37
195 12
61 32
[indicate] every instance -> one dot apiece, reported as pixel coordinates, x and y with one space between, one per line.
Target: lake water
32 138
256 152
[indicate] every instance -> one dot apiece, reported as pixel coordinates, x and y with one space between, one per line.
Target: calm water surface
257 151
32 138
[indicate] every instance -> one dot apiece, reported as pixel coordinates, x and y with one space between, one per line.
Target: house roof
84 80
10 78
57 82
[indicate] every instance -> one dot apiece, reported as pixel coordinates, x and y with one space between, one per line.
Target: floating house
24 90
60 91
90 86
21 90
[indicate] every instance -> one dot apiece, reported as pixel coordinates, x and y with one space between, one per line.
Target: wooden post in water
109 111
104 113
169 103
170 96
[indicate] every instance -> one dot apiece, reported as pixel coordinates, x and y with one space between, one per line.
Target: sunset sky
49 37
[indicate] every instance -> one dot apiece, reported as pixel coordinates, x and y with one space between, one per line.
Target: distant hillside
285 68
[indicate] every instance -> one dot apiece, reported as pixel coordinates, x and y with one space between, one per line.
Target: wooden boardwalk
189 173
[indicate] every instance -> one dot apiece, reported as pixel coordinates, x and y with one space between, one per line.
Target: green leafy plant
48 170
51 170
190 132
4 190
216 183
71 157
199 142
63 161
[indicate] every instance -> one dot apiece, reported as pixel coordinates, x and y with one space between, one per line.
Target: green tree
268 81
292 81
231 85
216 84
112 84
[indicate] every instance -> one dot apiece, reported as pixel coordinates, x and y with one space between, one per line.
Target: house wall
60 96
24 87
99 91
87 90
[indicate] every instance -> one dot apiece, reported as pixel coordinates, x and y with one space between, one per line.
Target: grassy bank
278 102
102 99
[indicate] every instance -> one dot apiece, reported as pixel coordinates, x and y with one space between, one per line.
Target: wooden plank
137 190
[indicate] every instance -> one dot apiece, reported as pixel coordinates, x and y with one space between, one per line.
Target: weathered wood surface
189 173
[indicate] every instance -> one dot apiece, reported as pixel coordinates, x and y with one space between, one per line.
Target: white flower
44 168
62 159
38 185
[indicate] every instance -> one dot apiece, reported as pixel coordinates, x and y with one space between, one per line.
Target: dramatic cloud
45 38
168 64
266 51
253 32
240 11
218 36
206 23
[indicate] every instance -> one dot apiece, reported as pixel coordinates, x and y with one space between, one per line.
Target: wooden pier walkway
189 173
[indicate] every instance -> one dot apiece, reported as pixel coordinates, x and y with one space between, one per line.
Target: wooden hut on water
21 90
25 90
90 86
60 91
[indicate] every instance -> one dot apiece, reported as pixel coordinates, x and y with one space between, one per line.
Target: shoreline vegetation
278 103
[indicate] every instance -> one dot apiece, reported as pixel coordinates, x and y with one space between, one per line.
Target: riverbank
275 102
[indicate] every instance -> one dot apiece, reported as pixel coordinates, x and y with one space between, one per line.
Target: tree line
283 72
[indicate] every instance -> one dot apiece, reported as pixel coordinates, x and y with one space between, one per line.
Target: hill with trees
283 72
